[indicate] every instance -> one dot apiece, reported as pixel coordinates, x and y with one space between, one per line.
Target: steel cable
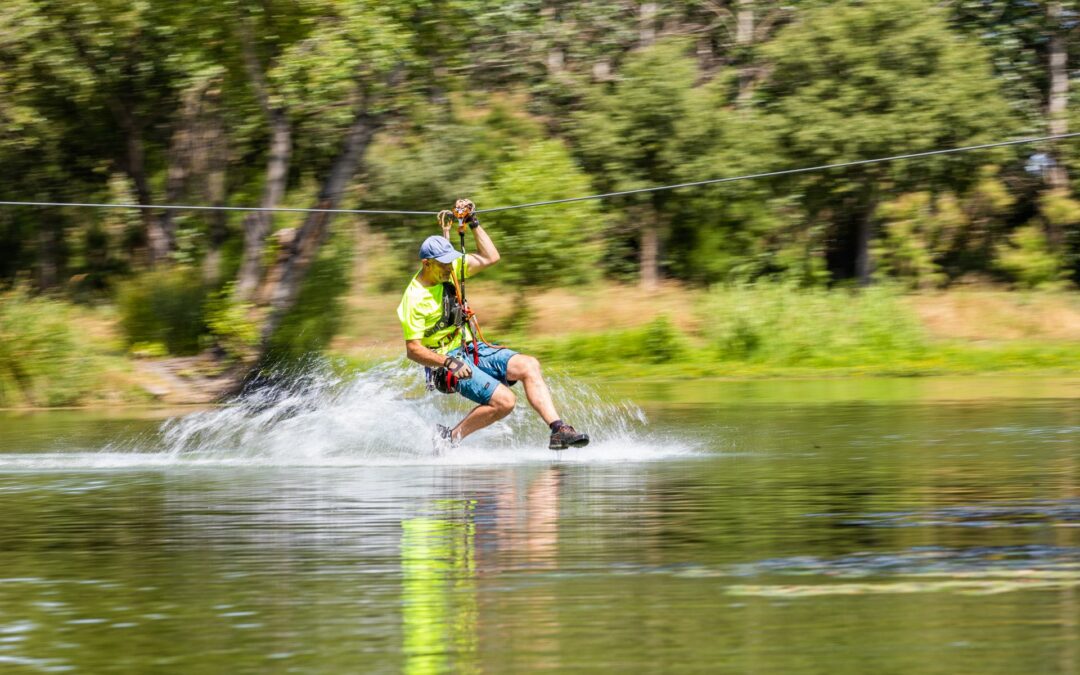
784 172
191 207
605 195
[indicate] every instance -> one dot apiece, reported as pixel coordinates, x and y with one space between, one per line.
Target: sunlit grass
773 330
54 353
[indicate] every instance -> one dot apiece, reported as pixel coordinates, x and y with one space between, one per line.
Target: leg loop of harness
444 381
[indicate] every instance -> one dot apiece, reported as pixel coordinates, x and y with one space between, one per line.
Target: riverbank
623 332
57 354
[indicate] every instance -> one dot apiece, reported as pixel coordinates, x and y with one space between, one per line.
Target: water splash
384 416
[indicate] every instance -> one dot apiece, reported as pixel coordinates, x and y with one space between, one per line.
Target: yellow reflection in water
441 583
439 592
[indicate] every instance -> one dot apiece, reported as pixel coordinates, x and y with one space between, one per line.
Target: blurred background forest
409 104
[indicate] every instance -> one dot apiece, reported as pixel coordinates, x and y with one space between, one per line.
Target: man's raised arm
486 254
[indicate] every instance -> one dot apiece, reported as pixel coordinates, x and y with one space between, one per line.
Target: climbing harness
456 306
445 378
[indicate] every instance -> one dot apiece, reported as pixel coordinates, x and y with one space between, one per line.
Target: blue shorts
487 377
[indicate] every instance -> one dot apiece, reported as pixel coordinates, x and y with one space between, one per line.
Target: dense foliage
407 104
42 360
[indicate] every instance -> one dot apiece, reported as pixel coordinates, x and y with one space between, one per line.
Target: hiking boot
442 439
567 437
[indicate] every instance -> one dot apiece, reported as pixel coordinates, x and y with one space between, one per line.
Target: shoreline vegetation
347 125
58 354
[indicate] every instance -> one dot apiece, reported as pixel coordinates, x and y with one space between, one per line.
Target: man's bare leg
501 404
526 369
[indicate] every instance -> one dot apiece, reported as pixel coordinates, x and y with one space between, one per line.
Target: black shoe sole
580 443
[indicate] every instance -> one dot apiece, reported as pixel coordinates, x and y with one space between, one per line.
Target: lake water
893 526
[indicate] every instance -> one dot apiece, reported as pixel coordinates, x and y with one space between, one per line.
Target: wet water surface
907 526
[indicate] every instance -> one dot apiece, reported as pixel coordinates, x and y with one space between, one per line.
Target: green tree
624 135
736 230
928 239
1032 45
428 167
542 247
114 63
857 80
131 89
1028 259
550 246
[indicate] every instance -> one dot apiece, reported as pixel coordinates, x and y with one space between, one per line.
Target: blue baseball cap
439 248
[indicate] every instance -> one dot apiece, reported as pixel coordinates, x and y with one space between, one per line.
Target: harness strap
463 208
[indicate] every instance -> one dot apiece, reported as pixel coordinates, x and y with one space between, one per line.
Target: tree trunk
556 56
181 149
601 70
257 225
649 252
157 238
48 254
284 281
218 231
864 263
1057 177
650 256
744 40
647 24
215 142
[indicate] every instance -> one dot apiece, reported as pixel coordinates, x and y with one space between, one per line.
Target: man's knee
503 400
530 366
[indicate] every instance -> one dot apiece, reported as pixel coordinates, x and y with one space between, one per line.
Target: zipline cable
785 172
606 195
190 207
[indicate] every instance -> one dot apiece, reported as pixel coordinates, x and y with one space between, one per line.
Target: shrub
41 360
907 248
662 343
315 319
1028 259
229 322
552 246
164 306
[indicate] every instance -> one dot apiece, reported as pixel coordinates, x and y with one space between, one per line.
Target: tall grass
762 327
43 360
785 326
655 343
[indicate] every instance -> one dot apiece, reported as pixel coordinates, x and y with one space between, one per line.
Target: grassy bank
54 354
1029 358
763 331
773 331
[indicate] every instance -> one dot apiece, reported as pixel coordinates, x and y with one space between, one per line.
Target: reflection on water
816 536
1054 513
438 593
444 552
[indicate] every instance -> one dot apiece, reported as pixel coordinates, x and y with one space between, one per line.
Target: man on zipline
441 334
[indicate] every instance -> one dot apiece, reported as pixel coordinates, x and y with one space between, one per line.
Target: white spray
385 416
